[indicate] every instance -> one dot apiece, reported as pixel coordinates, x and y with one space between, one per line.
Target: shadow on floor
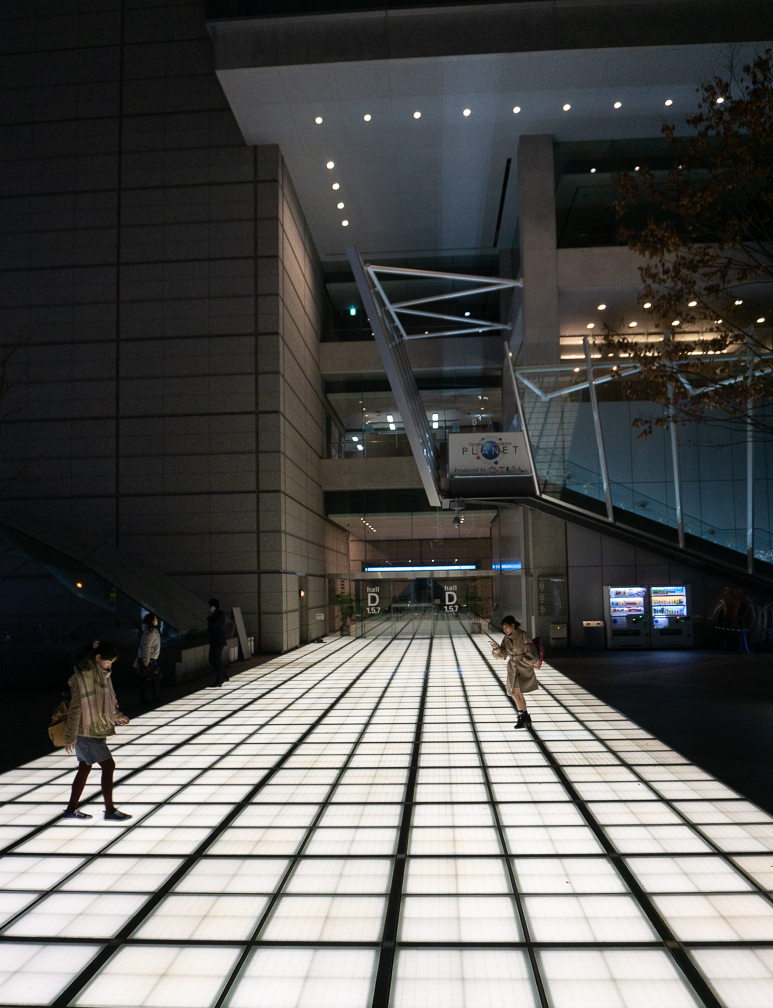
27 711
714 707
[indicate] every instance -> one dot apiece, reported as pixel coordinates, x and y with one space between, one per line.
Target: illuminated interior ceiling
461 406
419 525
584 311
434 183
357 819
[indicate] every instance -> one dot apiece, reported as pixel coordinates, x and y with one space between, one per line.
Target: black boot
524 720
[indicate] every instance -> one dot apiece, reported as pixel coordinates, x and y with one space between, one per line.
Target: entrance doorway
403 606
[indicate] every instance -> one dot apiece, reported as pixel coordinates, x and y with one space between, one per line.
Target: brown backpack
58 723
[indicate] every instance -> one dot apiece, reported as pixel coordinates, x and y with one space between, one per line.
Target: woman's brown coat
521 656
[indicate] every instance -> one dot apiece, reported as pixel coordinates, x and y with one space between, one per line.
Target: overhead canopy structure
99 573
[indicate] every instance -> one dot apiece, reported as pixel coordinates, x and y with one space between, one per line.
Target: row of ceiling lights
676 322
467 112
516 109
336 185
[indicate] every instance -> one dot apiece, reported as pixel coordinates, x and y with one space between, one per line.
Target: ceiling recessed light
355 438
593 171
691 304
367 118
760 320
517 109
344 223
601 307
318 120
393 426
331 164
336 185
647 304
567 107
632 325
466 112
417 115
738 302
340 206
618 104
676 322
668 102
390 418
591 325
360 448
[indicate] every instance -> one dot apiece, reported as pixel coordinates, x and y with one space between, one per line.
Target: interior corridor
357 825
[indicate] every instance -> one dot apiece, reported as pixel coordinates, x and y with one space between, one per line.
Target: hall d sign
492 455
492 465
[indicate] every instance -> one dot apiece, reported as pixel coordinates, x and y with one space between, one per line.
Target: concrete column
537 328
544 558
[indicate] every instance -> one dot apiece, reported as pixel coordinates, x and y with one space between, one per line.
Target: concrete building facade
167 294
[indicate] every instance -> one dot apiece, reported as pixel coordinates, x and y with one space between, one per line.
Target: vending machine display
671 616
628 617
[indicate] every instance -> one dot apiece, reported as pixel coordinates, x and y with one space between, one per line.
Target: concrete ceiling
433 184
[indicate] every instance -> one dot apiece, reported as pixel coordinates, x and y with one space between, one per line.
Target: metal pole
597 426
749 470
522 418
677 472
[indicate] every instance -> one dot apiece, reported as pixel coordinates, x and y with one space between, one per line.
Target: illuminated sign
490 454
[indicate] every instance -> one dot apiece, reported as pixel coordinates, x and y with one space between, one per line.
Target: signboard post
241 632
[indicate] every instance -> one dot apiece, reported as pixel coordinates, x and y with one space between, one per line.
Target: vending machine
671 616
628 617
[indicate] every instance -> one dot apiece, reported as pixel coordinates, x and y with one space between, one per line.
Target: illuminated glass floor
357 825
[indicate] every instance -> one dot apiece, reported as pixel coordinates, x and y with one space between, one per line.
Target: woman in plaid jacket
91 717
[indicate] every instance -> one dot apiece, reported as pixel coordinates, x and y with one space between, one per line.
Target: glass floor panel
357 825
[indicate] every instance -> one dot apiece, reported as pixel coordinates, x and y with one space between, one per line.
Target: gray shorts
91 750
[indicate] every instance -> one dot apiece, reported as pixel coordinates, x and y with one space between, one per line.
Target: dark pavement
714 707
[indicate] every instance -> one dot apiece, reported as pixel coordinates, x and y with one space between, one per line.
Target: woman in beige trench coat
522 656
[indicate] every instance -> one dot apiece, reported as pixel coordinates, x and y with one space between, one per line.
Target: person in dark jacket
217 640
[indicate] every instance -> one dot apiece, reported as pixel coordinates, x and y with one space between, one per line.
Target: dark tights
81 776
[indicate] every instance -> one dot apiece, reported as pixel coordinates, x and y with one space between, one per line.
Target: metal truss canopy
391 336
466 324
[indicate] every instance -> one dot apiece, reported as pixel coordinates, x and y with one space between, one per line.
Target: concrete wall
507 552
291 414
588 560
537 326
370 473
163 296
595 560
471 354
128 236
